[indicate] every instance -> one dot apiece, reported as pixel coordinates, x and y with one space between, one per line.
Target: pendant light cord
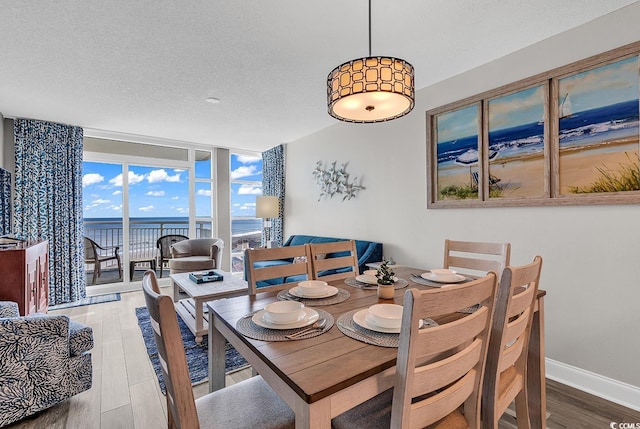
369 28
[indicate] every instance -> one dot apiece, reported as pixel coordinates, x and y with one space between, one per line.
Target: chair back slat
476 257
175 372
441 368
336 255
288 268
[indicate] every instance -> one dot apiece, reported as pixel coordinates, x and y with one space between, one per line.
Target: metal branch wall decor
335 181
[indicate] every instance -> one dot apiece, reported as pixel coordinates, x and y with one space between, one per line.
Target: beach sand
524 176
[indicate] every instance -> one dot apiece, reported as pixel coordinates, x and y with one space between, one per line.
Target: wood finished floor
125 392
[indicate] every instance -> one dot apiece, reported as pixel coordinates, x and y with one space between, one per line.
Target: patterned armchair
44 359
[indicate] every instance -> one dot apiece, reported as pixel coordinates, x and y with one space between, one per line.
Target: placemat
342 295
351 281
248 328
351 329
417 279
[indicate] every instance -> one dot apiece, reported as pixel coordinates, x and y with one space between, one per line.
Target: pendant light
371 89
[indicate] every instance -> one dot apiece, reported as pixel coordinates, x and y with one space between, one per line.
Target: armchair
195 254
44 359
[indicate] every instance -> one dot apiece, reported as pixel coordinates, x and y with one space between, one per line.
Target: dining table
324 375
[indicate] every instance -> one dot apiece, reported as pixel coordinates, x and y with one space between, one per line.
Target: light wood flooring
125 392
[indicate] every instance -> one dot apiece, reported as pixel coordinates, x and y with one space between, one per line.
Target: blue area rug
197 358
87 301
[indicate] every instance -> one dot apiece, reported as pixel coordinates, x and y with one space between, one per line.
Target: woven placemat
351 329
351 281
342 295
248 328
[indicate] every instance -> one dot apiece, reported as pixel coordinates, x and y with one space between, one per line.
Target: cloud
248 159
91 179
133 179
155 193
118 192
99 202
116 208
204 192
250 190
244 171
181 210
161 175
175 198
146 209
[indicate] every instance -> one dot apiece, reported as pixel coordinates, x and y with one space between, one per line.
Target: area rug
197 357
99 299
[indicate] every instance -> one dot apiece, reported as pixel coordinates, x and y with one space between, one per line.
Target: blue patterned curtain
48 200
273 185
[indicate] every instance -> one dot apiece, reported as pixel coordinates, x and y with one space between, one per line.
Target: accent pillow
300 260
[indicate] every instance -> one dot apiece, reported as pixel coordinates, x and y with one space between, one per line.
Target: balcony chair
44 359
164 244
476 258
438 379
248 404
96 255
506 371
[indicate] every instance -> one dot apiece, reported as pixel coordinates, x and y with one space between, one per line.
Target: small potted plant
386 280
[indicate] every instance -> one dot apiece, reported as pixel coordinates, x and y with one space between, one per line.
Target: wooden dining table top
320 366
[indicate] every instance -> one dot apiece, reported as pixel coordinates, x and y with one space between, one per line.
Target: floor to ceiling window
246 184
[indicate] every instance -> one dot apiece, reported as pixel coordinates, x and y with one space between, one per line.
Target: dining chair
96 255
223 408
439 369
475 257
164 245
334 260
292 264
506 370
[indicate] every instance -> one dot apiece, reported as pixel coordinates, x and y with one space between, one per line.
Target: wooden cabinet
24 276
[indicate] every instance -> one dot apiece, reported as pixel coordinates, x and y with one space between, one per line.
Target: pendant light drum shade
371 89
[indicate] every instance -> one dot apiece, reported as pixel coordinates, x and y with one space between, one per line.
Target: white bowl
283 311
386 315
370 272
312 287
444 274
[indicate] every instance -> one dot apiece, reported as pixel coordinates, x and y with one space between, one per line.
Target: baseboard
607 388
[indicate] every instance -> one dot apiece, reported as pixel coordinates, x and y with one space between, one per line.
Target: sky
163 192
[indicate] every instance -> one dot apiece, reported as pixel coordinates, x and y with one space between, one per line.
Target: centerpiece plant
385 274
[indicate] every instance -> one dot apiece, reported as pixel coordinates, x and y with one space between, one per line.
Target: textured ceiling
143 67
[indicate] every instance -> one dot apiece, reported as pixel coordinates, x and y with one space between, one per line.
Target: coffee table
191 309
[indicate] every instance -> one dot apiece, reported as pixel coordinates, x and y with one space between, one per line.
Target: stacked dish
443 275
313 289
285 315
386 318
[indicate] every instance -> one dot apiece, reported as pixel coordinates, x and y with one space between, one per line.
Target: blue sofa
368 251
44 359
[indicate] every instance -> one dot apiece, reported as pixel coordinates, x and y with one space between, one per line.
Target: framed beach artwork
516 137
456 153
598 142
568 136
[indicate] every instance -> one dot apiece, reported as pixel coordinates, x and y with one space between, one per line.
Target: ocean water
615 121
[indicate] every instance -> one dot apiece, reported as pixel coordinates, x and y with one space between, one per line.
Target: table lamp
267 208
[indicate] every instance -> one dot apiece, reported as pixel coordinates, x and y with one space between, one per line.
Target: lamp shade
371 89
267 207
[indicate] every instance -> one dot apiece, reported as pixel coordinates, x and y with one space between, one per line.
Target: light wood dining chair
476 257
225 408
439 369
506 370
277 268
334 260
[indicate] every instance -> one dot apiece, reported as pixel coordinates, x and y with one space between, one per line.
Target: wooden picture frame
532 149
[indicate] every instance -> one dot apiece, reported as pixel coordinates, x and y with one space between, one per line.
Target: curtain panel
48 200
273 185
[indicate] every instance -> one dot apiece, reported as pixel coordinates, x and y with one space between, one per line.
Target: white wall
592 316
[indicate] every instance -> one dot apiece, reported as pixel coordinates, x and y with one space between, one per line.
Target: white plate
268 319
433 278
330 291
310 316
363 318
367 280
